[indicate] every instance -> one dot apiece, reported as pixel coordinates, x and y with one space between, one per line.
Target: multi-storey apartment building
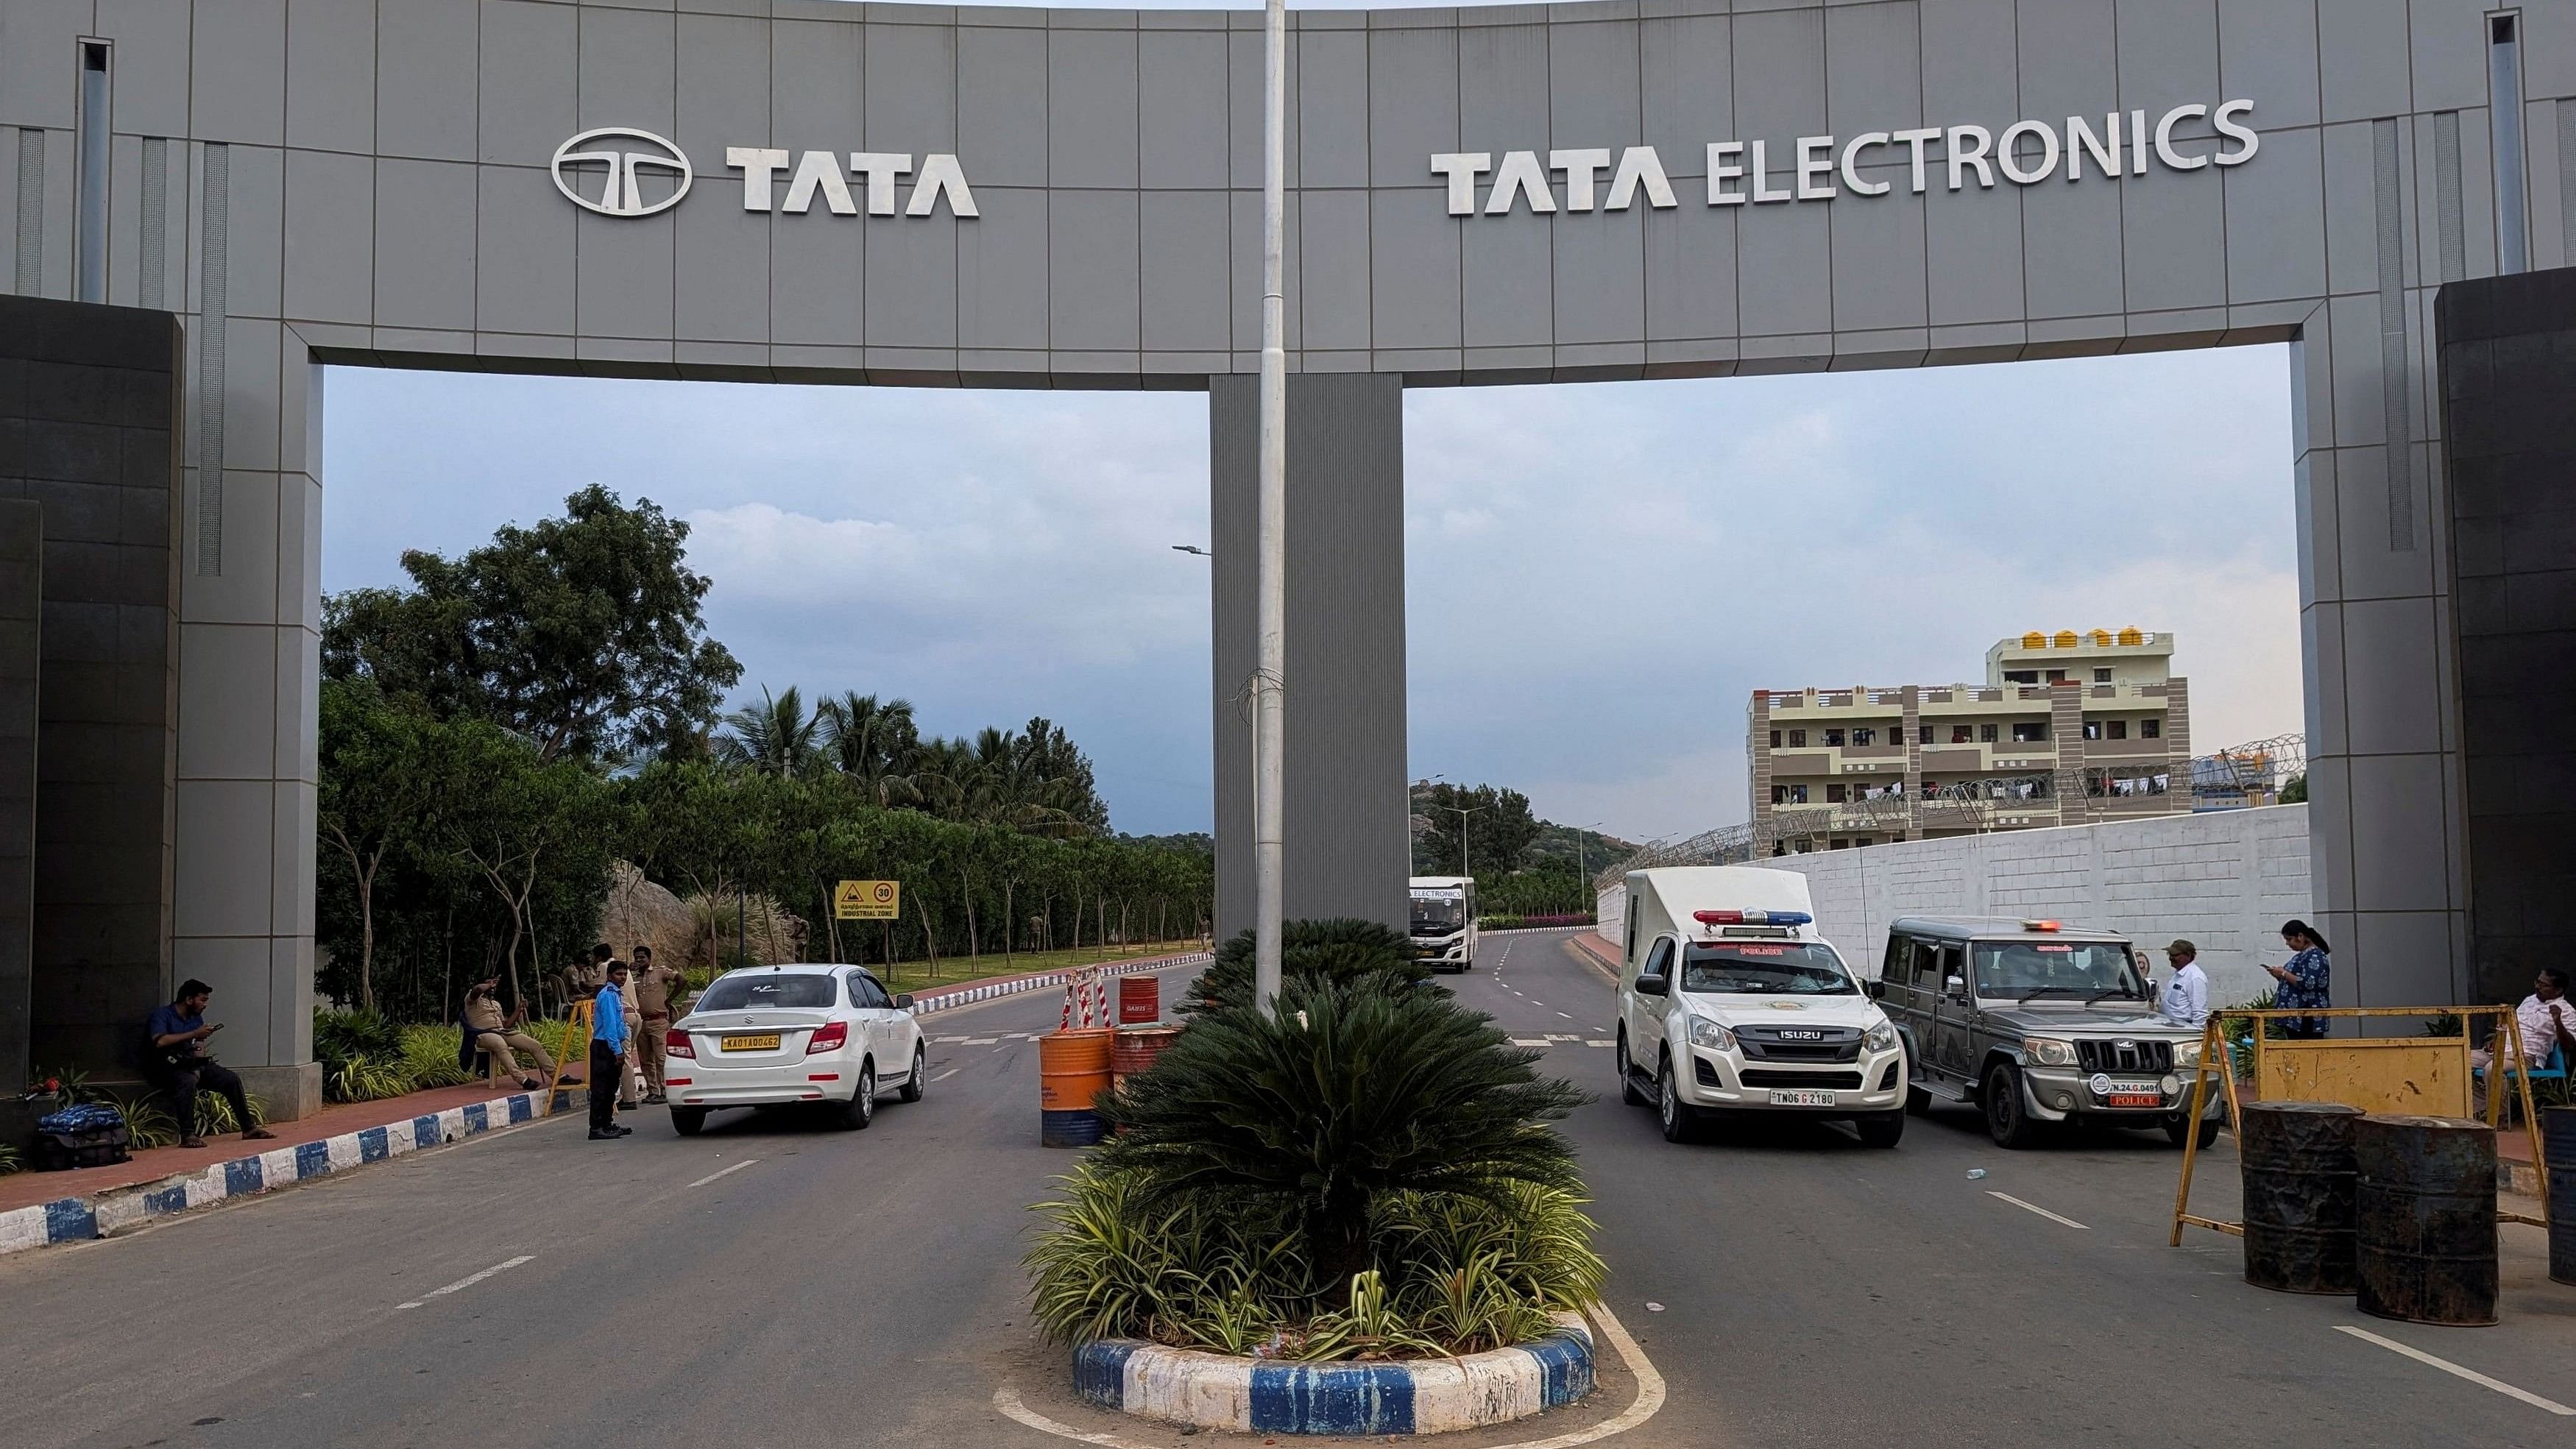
2067 728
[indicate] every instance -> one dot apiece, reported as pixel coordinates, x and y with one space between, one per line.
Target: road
773 1284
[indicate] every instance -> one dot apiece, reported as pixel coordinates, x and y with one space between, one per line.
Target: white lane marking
948 1038
468 1281
1600 1042
2448 1367
724 1172
944 1076
978 1040
1530 1041
1570 1016
2035 1208
1649 1401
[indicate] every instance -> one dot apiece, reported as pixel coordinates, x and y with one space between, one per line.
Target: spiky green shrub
361 1078
147 1123
219 1112
1348 1093
429 1057
1338 951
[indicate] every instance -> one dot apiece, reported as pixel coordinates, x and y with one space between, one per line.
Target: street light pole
1462 815
1269 731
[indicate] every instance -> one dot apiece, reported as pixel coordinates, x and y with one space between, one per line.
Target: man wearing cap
2186 997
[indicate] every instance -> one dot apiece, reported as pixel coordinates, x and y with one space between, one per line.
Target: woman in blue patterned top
2306 978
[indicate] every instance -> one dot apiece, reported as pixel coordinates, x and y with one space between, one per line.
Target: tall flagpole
1269 727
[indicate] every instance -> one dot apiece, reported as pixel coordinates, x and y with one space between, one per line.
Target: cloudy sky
1597 575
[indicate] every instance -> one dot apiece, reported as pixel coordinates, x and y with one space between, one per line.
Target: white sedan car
769 1036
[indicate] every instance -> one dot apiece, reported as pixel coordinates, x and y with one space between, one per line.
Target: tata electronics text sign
1819 168
640 174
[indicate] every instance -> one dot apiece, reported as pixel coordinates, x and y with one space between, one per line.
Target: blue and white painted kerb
923 1005
74 1219
1415 1396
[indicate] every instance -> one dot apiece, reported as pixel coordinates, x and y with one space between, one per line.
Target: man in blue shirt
175 1060
608 1036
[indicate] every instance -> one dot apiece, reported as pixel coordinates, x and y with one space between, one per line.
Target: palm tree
875 744
776 737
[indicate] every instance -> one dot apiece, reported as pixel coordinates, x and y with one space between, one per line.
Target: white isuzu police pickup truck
1730 1002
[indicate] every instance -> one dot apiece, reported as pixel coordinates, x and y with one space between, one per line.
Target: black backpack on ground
91 1134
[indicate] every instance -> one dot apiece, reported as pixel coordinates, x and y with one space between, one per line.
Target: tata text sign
1819 168
640 174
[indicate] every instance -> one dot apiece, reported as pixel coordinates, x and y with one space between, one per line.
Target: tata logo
629 157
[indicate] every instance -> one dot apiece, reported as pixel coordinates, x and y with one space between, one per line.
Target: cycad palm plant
1346 1094
1341 950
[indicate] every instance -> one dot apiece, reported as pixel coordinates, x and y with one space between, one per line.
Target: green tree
376 786
874 744
774 737
2294 791
583 633
1499 830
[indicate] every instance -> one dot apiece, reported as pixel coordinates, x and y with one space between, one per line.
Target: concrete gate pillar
1349 850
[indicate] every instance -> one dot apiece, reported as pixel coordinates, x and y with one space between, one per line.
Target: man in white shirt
2185 1001
2547 1019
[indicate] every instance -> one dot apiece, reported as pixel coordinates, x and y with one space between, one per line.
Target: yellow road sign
867 900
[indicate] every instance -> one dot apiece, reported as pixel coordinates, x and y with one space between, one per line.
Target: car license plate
1801 1099
744 1043
2137 1099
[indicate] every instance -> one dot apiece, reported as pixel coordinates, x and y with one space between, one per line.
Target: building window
1833 739
1958 734
1836 794
2021 676
1862 840
1797 794
2057 676
1775 739
2101 676
2149 729
1922 734
1797 739
1986 734
2092 730
1864 736
1779 794
1841 844
2119 728
2031 732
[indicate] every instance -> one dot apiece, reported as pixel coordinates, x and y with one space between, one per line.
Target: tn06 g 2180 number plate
1801 1098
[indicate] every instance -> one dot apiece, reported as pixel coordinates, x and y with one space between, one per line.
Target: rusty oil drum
2300 1190
2427 1220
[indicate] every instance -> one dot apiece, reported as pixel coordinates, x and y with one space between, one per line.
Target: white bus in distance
1444 921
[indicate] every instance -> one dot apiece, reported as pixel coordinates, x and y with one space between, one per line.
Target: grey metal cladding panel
258 221
2361 56
1413 103
531 90
1506 269
816 87
1878 260
1002 268
1600 276
1686 86
2169 55
331 74
1002 106
1779 76
1184 240
912 89
1972 256
1092 304
818 276
629 69
525 277
1333 233
39 65
237 84
151 89
1786 263
1594 90
1091 108
330 220
425 223
1873 68
2069 63
426 62
912 276
1502 88
2276 236
2549 51
1333 110
1245 264
1181 108
2267 51
1243 69
2448 51
720 266
1968 66
623 284
1690 271
2351 213
1413 269
2071 239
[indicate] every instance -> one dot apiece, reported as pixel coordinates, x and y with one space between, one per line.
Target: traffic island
1405 1396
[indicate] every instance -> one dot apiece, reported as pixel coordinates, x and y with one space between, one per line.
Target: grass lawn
953 970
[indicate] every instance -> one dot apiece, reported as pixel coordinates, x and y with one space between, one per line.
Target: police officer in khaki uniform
497 1035
657 992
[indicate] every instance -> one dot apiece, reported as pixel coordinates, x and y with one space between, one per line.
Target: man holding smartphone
176 1061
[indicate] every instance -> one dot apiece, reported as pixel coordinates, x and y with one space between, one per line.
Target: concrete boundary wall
2225 880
